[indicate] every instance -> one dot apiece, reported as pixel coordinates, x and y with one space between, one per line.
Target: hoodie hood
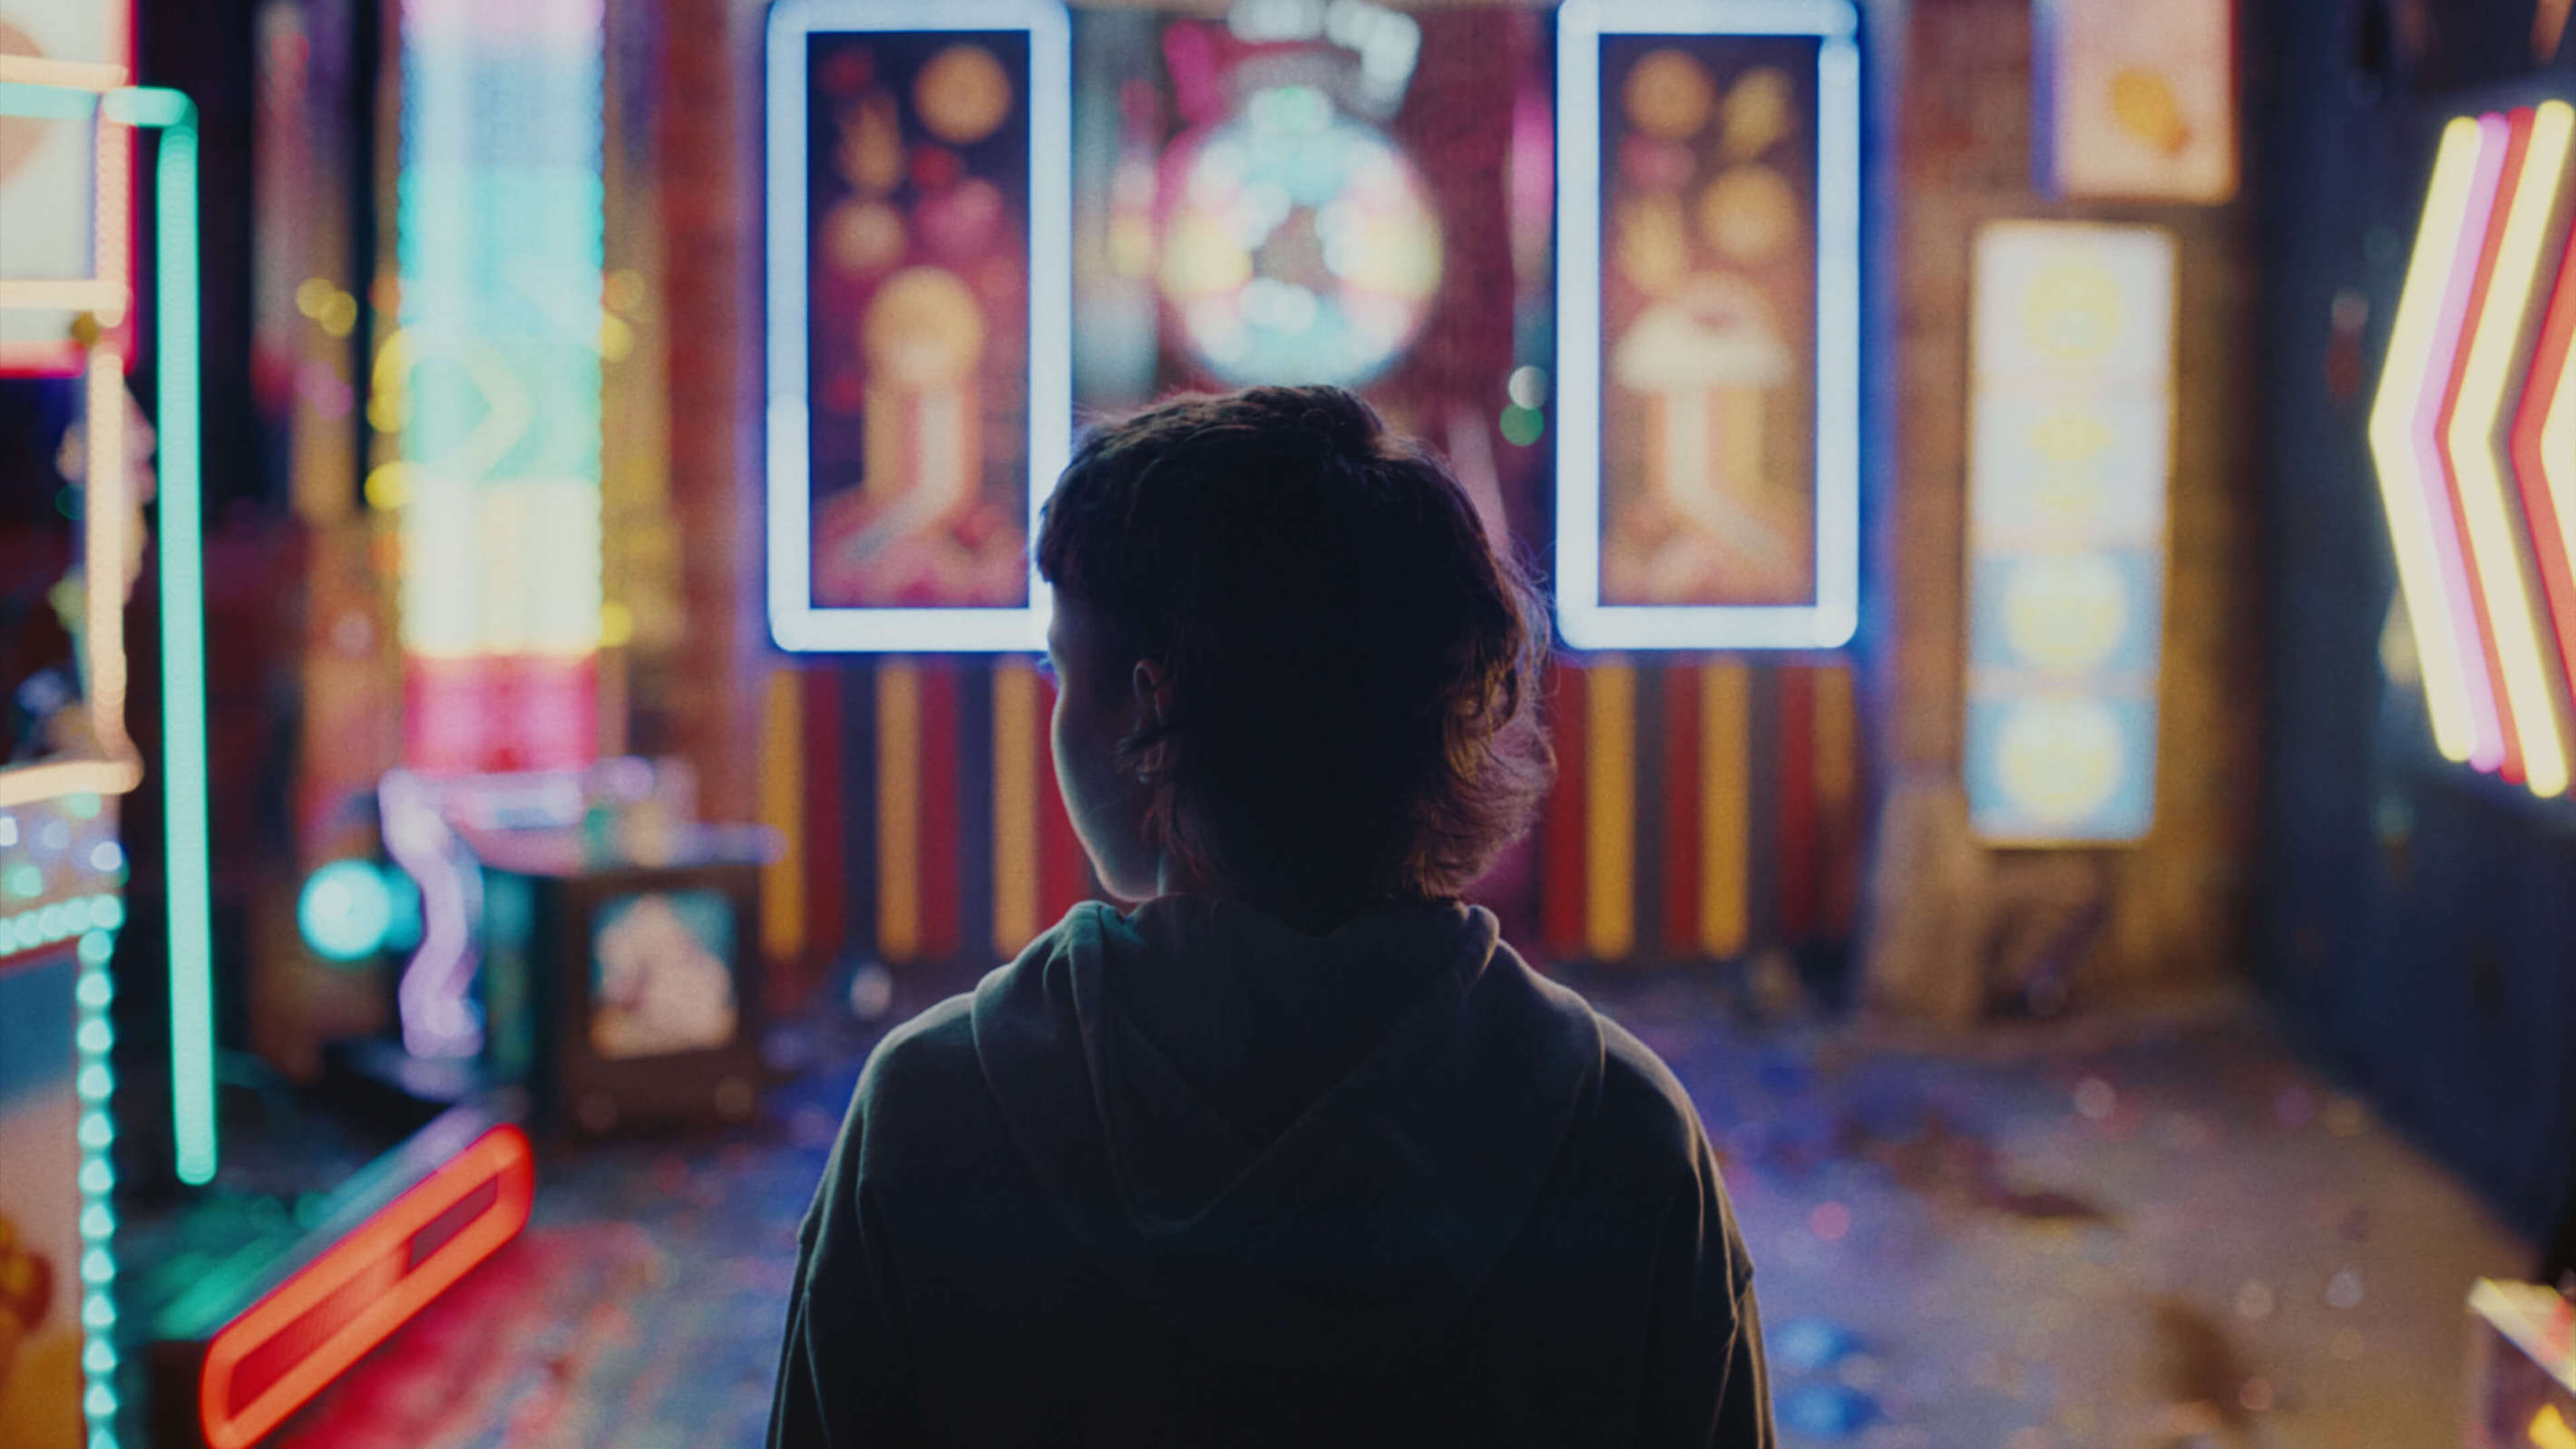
1363 1222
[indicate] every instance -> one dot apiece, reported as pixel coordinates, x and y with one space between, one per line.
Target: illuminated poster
47 168
2134 101
1708 314
919 393
2069 456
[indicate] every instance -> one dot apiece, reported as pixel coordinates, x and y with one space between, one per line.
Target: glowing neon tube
2420 524
371 1282
2544 447
2464 255
183 656
2535 736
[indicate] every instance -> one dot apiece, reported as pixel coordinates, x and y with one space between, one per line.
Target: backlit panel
919 288
1708 307
2070 464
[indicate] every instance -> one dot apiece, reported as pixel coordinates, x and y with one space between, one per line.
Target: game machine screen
1708 313
919 325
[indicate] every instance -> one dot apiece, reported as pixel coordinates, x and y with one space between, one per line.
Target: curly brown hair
1353 668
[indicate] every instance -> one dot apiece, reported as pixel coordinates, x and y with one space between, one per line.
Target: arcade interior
519 660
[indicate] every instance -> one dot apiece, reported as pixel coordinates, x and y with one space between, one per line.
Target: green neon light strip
183 627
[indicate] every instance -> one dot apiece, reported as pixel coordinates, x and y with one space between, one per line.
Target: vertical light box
920 282
2070 447
1708 324
499 348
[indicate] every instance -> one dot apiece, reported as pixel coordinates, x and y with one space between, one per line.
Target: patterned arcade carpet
2154 1231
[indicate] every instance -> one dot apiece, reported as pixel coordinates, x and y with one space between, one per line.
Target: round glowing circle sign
346 910
1298 245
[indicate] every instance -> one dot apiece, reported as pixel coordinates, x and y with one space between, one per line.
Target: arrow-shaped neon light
2473 430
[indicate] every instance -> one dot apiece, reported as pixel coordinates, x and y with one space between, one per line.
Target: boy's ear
1153 691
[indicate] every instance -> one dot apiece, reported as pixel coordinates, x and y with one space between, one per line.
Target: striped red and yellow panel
2473 430
1702 809
924 823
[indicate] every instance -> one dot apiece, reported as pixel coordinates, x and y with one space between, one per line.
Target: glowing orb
963 94
1298 245
346 910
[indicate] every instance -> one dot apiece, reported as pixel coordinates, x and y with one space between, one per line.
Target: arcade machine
273 1323
69 755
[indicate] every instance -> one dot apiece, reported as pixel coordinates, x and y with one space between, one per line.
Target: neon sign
2473 429
276 1355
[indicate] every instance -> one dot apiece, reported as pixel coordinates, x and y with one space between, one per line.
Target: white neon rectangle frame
1587 622
795 621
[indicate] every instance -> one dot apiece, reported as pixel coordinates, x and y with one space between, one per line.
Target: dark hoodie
1192 1177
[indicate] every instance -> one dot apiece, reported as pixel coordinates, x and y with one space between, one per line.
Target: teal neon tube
183 646
183 622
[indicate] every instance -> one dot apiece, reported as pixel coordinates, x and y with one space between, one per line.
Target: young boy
1297 1151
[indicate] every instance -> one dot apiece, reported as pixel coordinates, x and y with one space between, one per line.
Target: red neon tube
385 1266
2544 485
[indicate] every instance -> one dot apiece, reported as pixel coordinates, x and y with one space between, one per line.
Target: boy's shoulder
1640 1091
929 1054
936 1051
1639 1103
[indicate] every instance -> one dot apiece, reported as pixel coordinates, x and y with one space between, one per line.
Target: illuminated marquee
2474 433
1708 315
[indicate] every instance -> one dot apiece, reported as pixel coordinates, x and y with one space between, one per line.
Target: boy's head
1291 668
